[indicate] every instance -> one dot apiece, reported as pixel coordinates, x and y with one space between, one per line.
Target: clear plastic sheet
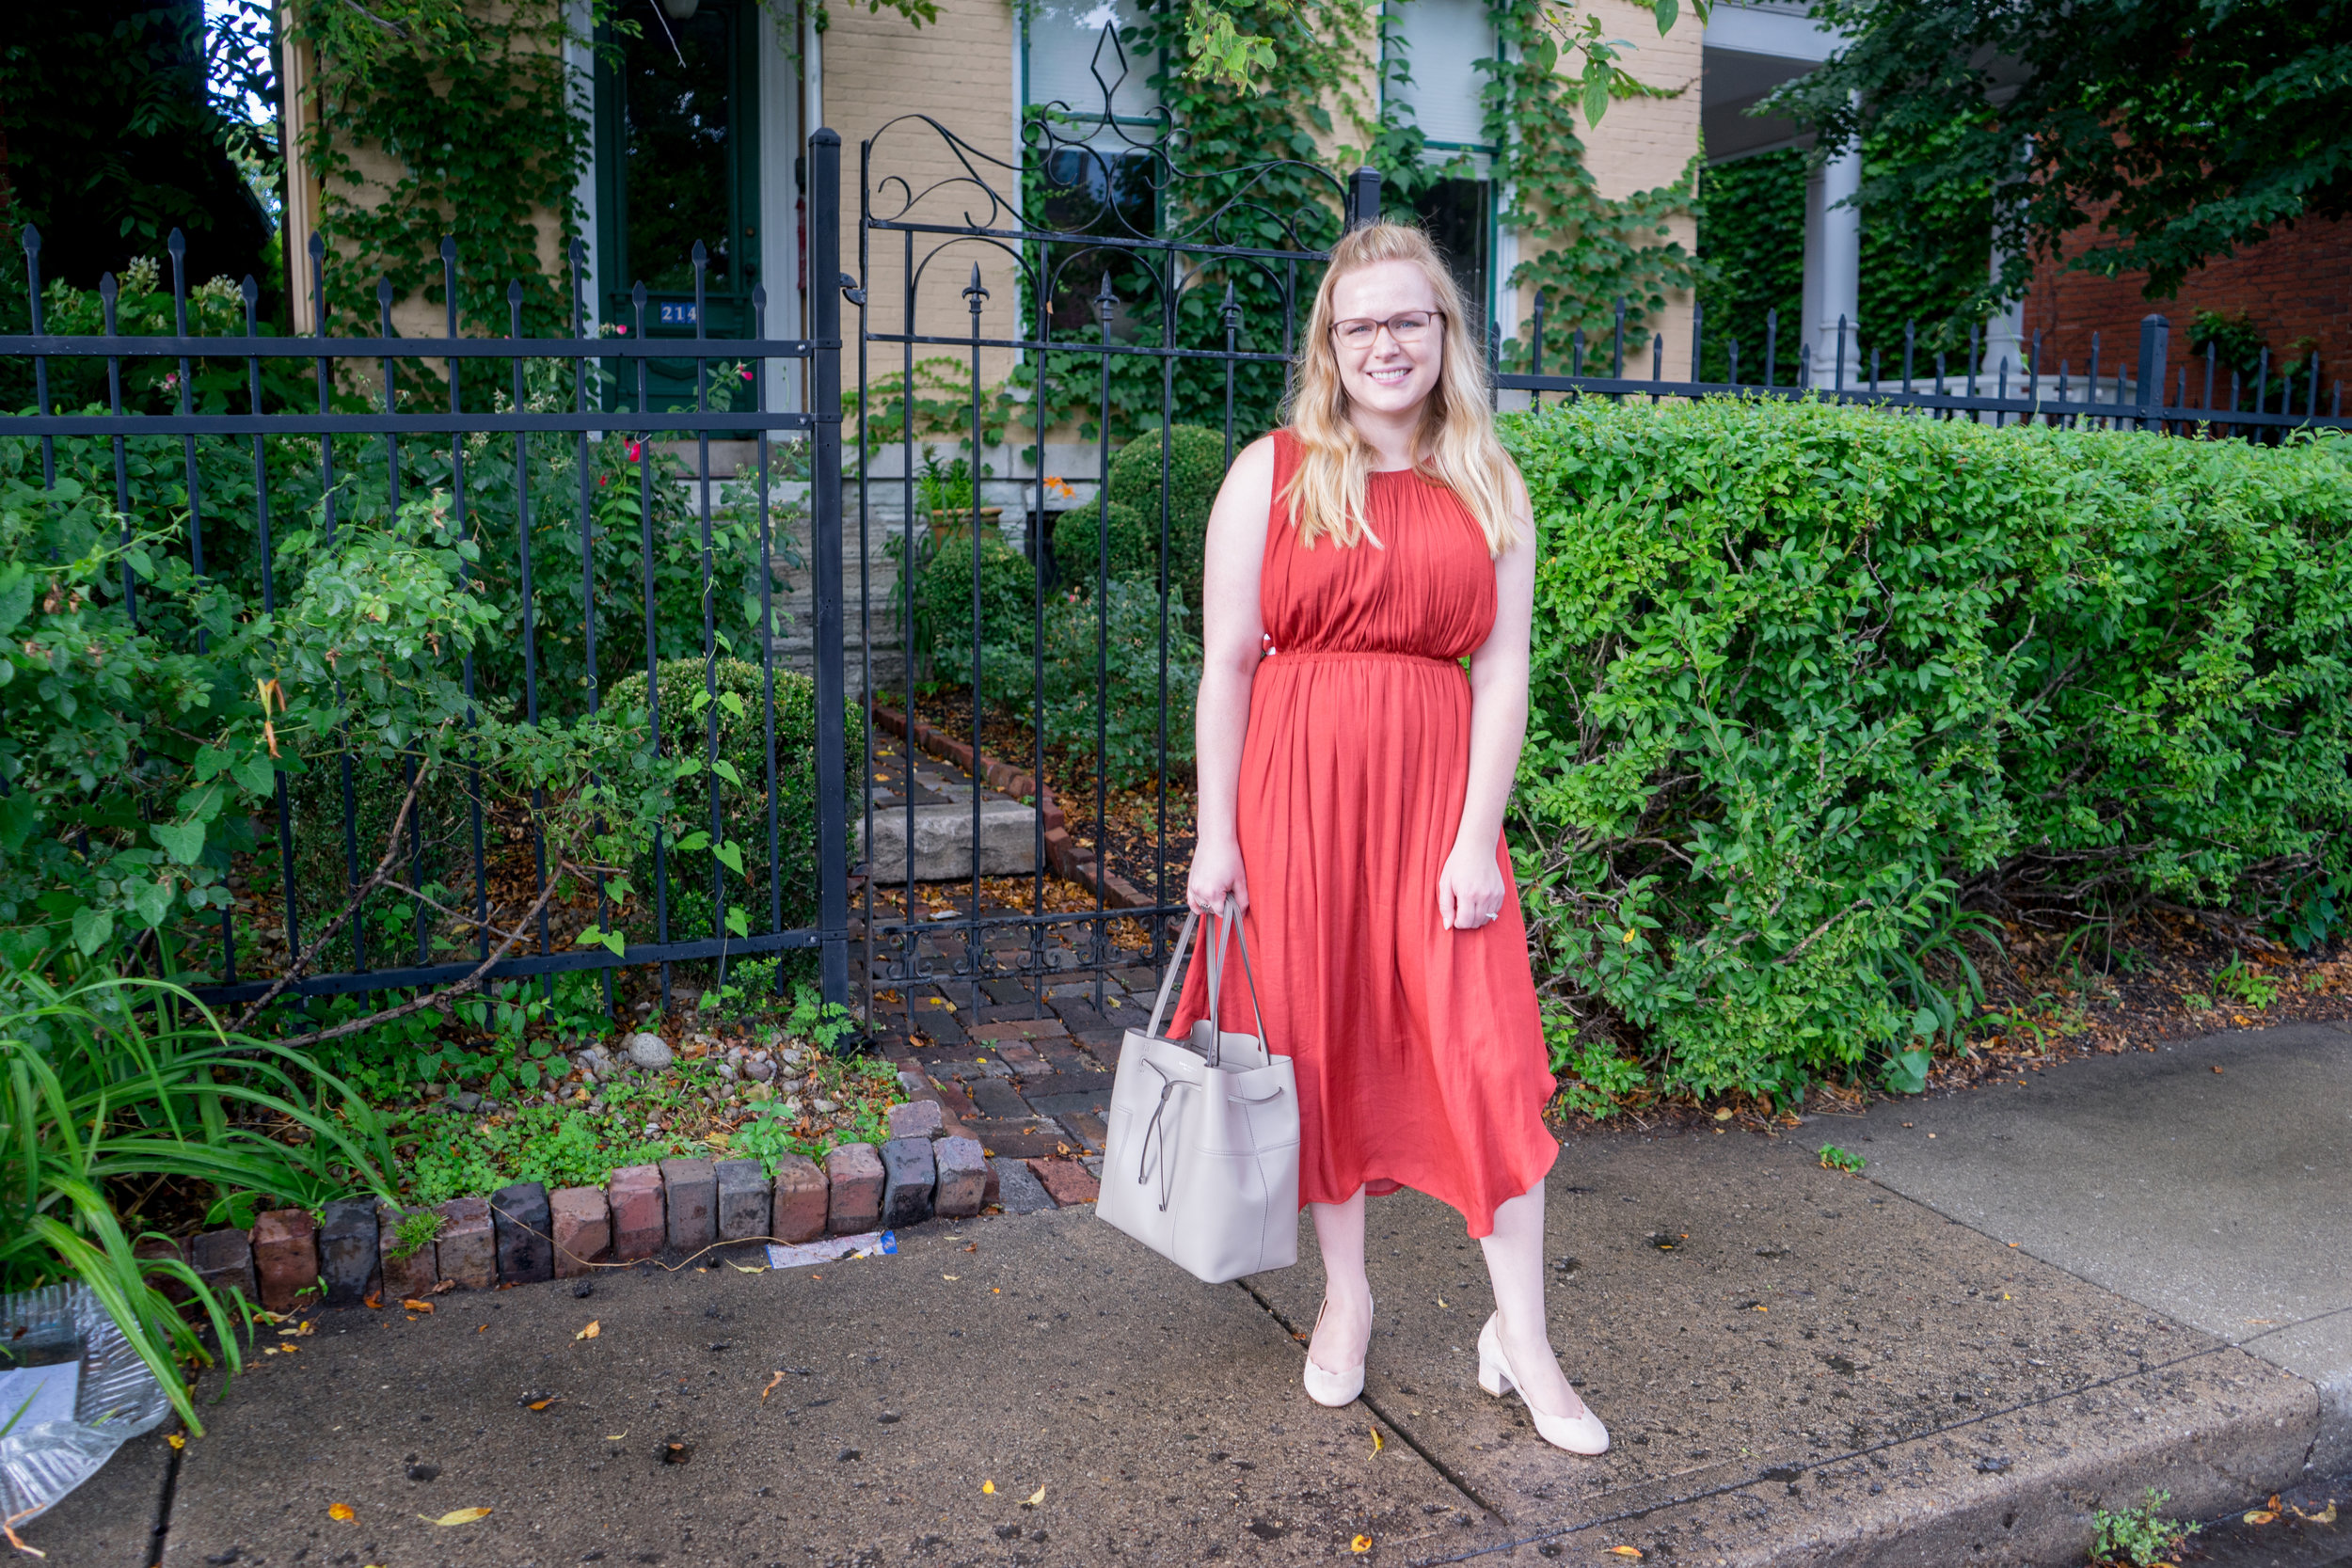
117 1398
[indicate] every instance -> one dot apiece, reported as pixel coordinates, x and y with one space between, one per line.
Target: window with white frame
1082 55
1433 48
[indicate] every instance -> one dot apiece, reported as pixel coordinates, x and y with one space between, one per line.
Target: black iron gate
1021 327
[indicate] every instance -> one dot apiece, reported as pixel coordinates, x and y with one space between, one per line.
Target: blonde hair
1326 491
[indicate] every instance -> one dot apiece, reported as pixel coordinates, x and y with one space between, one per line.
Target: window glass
675 143
1067 47
1443 42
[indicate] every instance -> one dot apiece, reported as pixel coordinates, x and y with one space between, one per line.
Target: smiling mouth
1390 377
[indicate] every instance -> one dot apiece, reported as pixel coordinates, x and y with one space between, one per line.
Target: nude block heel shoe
1583 1434
1333 1388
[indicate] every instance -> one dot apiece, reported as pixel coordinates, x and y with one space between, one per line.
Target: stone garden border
523 1234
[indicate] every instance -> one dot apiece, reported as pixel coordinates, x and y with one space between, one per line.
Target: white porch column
1833 266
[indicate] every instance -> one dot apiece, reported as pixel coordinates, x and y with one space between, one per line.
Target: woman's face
1379 372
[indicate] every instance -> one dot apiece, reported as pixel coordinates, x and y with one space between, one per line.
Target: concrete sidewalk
1798 1366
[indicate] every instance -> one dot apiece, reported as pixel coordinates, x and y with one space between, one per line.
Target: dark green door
676 162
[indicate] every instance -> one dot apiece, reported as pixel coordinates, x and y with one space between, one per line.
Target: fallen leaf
269 1350
415 1305
342 1513
1036 1497
1625 1551
1376 1444
1361 1544
289 1331
483 1328
987 1486
748 1268
1441 1302
177 1441
2325 1516
972 1247
614 1436
374 1303
541 1404
2259 1516
458 1516
442 1286
948 1277
1724 1115
593 1329
309 1326
772 1386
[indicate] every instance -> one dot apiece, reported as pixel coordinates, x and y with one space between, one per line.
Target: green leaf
255 774
153 902
182 841
731 855
1665 10
692 842
1596 97
16 595
726 769
93 929
1923 1022
738 920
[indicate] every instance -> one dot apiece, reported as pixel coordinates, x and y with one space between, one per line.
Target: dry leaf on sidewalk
1626 1551
593 1329
772 1386
1361 1544
1376 1444
1035 1498
342 1513
415 1305
458 1516
987 1486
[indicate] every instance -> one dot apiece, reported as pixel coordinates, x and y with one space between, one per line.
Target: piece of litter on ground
458 1516
749 1268
591 1331
869 1244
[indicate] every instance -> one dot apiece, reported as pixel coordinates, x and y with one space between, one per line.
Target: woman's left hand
1470 889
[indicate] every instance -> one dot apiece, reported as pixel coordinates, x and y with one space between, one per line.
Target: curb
349 1255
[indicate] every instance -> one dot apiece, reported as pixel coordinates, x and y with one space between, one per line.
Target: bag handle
1229 928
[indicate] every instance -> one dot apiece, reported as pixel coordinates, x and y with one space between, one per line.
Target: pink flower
636 451
622 330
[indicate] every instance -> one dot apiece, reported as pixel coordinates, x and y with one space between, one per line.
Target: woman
1352 783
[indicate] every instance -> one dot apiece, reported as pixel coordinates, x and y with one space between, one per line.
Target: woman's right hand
1217 872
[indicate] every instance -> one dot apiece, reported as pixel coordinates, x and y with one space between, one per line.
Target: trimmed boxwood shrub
1808 677
1196 466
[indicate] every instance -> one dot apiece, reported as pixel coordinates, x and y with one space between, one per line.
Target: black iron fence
2131 393
1089 330
543 446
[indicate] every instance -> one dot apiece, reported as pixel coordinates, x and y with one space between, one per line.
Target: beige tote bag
1201 1160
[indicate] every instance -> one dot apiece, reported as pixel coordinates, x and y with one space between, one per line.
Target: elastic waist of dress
1344 656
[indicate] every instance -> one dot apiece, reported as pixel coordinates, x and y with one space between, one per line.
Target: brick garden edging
523 1234
1064 855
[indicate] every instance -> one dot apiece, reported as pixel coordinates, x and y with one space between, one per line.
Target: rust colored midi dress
1419 1054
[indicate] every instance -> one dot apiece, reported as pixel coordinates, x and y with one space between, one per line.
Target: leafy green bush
1127 629
740 774
1805 676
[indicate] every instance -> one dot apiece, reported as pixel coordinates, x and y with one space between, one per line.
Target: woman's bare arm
1470 890
1231 639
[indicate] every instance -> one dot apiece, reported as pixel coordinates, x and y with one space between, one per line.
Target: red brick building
2297 286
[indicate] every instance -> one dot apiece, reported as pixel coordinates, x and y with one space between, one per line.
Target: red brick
468 1246
286 1257
160 1246
803 1199
409 1276
640 1222
1066 1181
854 1173
582 1225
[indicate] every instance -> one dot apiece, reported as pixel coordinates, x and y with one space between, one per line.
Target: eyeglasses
1405 326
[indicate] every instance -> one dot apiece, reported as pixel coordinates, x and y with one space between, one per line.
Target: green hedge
1808 676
